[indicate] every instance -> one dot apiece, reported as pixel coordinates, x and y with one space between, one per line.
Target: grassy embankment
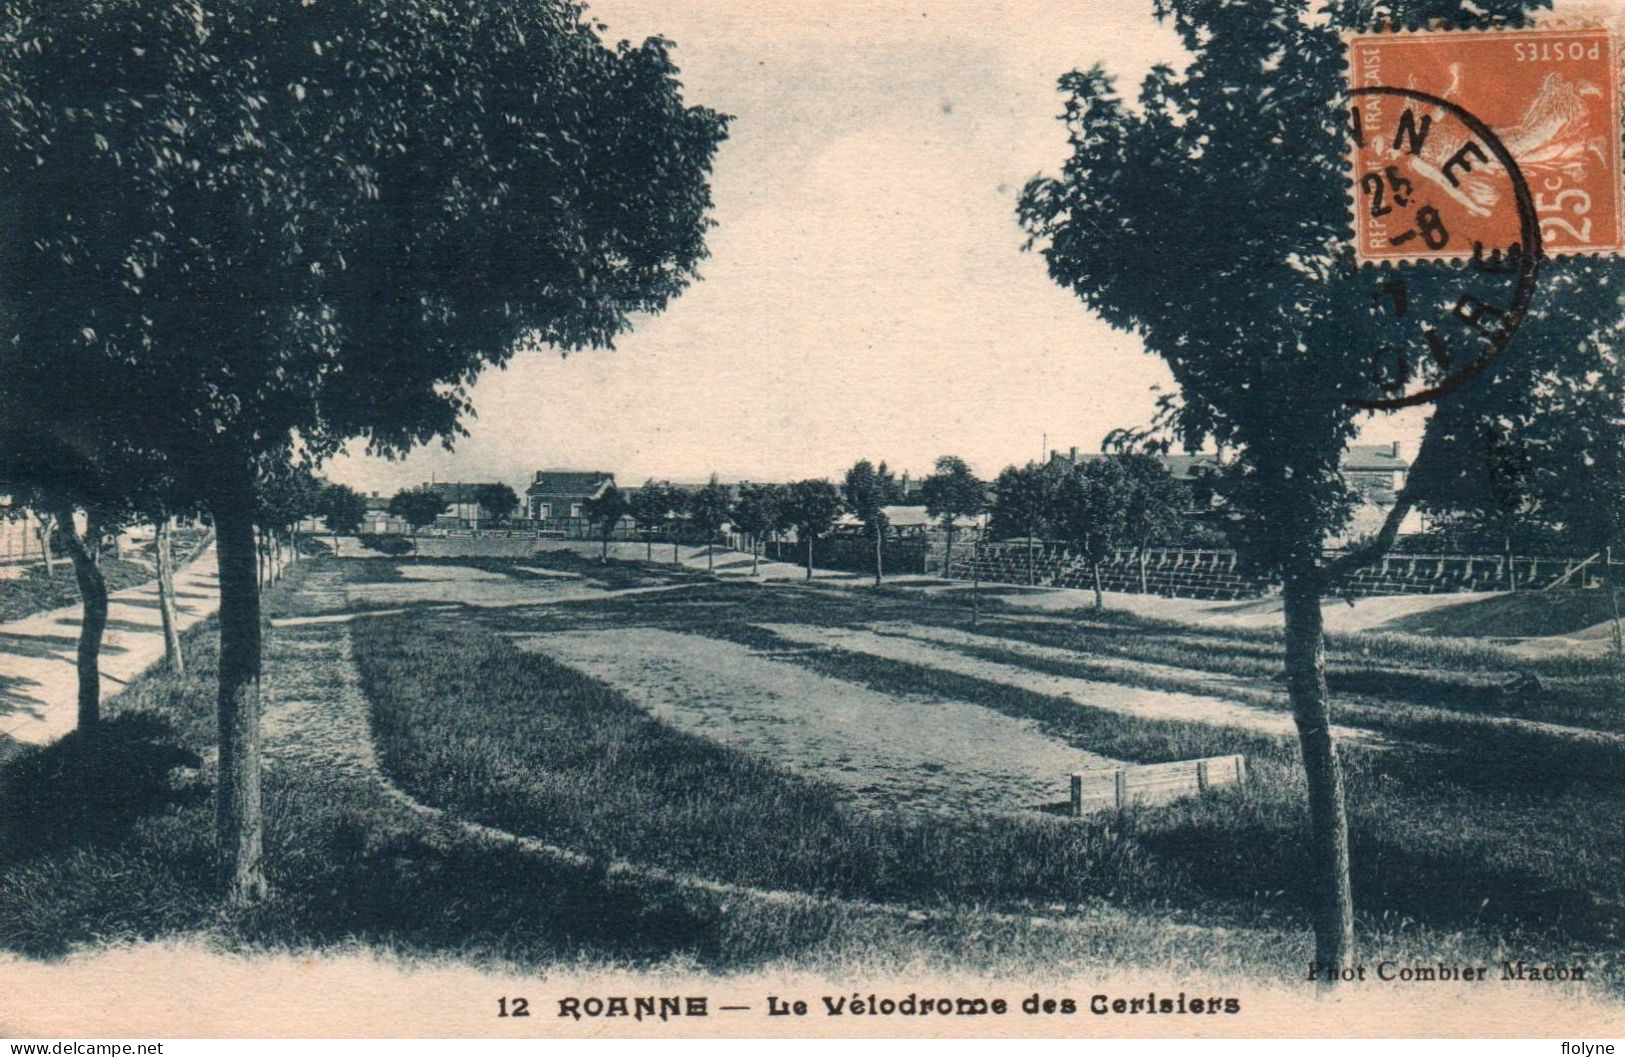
1460 850
1472 835
116 847
1517 615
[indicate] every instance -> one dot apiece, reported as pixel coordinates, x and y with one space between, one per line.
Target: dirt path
468 586
39 677
1114 697
888 750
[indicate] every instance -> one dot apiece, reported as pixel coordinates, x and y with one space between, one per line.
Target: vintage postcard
534 519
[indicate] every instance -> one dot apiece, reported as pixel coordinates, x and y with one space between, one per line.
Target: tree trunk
1145 588
649 541
1032 566
166 597
1100 597
603 558
238 823
42 529
1333 901
93 619
877 553
676 555
809 557
948 557
1506 556
710 552
1613 601
755 553
975 584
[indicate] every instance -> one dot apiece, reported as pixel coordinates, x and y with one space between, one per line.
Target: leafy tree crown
1211 220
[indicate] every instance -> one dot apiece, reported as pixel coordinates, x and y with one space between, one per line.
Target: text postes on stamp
1428 188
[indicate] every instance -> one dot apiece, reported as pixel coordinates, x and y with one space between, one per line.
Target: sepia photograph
936 519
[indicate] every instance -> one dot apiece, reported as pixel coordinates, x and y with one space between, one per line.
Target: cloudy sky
867 295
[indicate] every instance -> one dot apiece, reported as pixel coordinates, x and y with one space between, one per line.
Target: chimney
1396 449
1073 455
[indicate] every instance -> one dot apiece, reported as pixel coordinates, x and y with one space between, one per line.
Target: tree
1268 327
1154 511
1090 510
162 509
1483 484
254 229
1023 500
709 509
868 491
41 522
951 493
1583 430
651 508
811 507
497 499
343 509
677 502
417 506
285 495
756 513
891 489
605 510
61 478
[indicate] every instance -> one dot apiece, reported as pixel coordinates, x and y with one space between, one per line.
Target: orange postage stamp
1470 143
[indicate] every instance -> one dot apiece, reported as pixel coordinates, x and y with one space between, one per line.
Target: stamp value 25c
1435 115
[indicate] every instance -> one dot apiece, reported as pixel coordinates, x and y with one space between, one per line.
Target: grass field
1470 837
1525 613
34 592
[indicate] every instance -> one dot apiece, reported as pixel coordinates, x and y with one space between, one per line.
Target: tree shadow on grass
1258 854
77 792
427 899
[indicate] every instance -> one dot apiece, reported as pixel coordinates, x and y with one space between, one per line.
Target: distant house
1376 471
463 509
908 519
558 494
379 521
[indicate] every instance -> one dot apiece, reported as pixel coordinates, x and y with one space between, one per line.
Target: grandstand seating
1216 574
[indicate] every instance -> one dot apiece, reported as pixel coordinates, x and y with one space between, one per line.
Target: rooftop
569 482
1184 466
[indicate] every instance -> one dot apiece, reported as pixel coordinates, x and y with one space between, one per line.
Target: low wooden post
1201 776
1121 787
1077 796
1241 771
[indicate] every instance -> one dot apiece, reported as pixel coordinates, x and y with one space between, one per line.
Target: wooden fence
1156 783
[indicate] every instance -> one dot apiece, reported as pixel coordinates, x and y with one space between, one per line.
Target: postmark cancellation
1457 136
